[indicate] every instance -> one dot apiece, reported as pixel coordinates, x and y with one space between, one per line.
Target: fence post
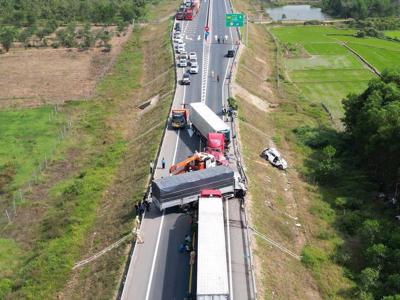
8 216
14 206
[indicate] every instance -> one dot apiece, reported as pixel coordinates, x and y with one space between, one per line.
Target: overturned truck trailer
185 188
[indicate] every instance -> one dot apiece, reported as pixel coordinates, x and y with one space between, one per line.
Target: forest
373 125
360 9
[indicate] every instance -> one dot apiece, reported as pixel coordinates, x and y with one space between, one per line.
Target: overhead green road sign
234 20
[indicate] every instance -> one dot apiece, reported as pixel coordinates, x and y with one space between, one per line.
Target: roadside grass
25 135
84 209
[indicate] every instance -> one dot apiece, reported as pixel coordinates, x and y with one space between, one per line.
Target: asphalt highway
157 269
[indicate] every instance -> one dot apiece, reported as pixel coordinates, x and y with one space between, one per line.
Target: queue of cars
184 60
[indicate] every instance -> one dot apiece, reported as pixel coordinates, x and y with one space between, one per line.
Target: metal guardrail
240 166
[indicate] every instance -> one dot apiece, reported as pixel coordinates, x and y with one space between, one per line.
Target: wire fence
10 203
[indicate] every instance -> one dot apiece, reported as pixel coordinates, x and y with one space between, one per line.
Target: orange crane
198 161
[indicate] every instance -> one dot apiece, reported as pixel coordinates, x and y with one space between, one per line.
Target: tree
24 36
392 284
368 279
369 231
105 37
360 34
360 9
328 167
7 35
376 255
373 124
87 37
394 297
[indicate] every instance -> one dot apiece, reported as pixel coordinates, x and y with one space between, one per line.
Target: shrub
360 34
350 222
313 257
5 287
233 103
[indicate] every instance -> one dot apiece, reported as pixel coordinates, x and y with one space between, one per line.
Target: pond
297 12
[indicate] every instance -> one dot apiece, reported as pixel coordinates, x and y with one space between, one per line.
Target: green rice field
326 71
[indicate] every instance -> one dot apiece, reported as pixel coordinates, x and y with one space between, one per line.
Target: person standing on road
147 205
151 167
137 209
217 78
136 231
141 208
163 163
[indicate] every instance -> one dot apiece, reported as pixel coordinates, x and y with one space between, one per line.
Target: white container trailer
212 270
204 120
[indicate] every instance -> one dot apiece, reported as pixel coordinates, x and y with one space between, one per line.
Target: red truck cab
216 147
188 14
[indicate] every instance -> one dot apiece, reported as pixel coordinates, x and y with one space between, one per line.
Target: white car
179 43
183 62
193 62
183 54
274 157
194 69
192 55
180 48
177 38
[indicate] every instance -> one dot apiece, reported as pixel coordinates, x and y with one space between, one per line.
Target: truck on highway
216 147
198 161
185 188
188 14
179 118
212 269
205 121
180 15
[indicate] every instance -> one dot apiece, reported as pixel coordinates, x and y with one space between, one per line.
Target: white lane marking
206 59
155 256
229 250
163 214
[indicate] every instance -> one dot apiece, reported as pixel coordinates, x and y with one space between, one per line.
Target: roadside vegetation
361 9
325 207
65 24
84 199
25 135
